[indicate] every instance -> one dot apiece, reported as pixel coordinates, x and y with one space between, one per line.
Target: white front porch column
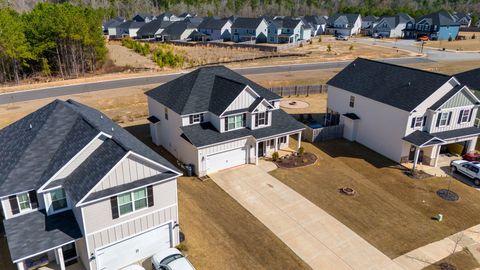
256 153
299 140
437 155
471 145
59 258
276 144
20 265
415 159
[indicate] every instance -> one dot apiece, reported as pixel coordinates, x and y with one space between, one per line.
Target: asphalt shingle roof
346 18
194 92
401 87
247 23
131 25
35 147
211 23
177 28
441 18
39 232
205 133
471 78
315 20
149 29
421 137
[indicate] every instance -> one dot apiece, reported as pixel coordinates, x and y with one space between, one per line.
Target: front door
69 254
261 149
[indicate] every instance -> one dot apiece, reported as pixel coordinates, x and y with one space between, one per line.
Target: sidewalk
315 236
436 251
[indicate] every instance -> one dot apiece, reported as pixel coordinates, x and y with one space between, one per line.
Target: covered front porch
36 240
437 149
265 147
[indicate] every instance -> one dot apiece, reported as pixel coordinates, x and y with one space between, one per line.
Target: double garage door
227 159
134 249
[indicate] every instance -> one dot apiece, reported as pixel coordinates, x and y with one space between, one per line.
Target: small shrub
450 39
320 39
329 48
351 48
301 151
182 247
473 36
275 156
311 41
301 45
304 160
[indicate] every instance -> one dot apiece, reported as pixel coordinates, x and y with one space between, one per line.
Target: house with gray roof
249 29
464 19
344 24
408 115
215 29
318 24
144 17
436 26
214 119
153 29
178 30
76 188
288 30
125 29
112 23
392 26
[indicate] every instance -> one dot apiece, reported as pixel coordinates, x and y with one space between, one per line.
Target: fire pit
348 191
293 103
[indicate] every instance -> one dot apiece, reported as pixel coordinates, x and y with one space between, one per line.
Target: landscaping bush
351 48
329 48
165 57
450 39
275 156
143 49
301 151
182 247
473 36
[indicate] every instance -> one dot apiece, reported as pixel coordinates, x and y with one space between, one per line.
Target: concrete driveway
319 239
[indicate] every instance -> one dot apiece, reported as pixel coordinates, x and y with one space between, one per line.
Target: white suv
171 259
468 168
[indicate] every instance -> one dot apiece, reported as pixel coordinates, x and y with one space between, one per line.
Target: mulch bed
292 161
417 174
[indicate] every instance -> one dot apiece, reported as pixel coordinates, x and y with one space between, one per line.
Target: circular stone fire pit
447 266
448 195
294 104
348 191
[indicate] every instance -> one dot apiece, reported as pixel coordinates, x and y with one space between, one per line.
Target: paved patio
315 236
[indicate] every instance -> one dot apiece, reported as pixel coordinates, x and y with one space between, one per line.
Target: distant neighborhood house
344 24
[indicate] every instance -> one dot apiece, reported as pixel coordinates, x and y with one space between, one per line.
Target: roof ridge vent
409 83
30 126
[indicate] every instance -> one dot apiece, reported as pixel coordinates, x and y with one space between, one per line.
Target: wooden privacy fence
297 90
323 133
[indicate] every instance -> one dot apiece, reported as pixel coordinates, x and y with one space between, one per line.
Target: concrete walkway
316 237
436 251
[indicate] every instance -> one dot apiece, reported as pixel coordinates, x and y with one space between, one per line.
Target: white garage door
224 160
133 249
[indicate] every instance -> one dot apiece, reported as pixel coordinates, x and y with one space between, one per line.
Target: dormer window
261 119
59 199
24 202
196 118
235 122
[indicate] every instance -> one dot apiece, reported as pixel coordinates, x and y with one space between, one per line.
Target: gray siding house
76 188
344 24
216 29
285 30
392 26
249 29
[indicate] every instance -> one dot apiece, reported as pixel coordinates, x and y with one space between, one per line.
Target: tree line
51 39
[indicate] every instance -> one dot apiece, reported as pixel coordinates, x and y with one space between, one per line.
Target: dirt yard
447 67
219 232
462 260
124 57
456 45
391 211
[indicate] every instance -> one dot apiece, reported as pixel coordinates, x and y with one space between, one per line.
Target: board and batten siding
99 214
242 101
129 170
461 99
454 119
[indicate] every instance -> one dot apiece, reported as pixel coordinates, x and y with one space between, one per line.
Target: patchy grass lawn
391 211
457 45
463 260
219 232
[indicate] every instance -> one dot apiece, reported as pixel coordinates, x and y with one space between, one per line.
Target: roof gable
401 87
461 96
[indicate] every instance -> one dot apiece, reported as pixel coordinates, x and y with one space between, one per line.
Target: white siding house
408 116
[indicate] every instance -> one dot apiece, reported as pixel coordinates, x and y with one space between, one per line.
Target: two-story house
368 22
392 26
249 29
153 29
125 29
214 119
344 24
405 114
76 188
318 24
216 29
471 78
464 19
144 17
286 30
436 26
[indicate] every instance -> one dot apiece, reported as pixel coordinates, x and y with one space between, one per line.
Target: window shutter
114 204
438 119
424 121
14 204
150 195
256 120
266 117
470 115
244 119
449 117
413 122
33 199
460 117
191 119
226 123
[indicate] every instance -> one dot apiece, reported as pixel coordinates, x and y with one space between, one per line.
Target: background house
344 24
144 17
216 29
126 29
179 30
318 24
153 29
392 26
286 30
436 26
249 29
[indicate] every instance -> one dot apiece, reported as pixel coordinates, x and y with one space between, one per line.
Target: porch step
204 178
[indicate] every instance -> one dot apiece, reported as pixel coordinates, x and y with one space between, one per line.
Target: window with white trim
235 122
196 118
443 119
59 199
282 139
418 122
132 201
24 202
465 116
261 118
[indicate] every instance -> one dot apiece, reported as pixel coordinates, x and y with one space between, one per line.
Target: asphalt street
159 79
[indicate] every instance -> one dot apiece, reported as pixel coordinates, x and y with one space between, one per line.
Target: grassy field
219 232
462 260
391 211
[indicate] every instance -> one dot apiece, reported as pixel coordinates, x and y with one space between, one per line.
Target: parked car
472 156
341 37
471 169
377 35
134 267
423 38
171 259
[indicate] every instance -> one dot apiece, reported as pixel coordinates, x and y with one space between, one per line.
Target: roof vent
112 129
30 126
101 116
354 65
409 83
